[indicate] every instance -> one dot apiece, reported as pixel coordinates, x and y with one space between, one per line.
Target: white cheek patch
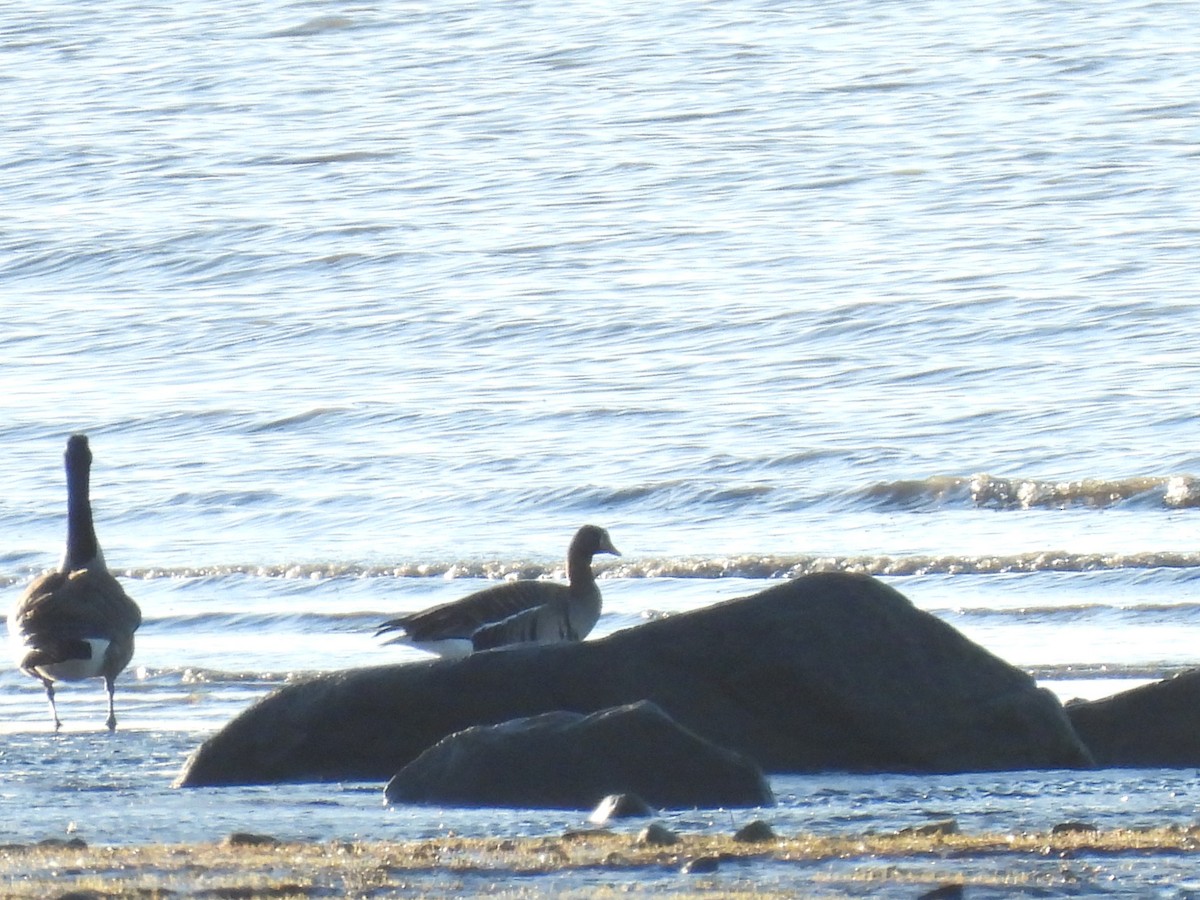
78 669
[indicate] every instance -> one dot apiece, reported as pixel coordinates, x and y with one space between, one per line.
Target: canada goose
514 613
75 623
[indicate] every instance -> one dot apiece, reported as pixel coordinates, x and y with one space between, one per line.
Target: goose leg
112 713
53 709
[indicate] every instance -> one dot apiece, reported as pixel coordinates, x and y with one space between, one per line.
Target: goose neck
82 546
579 571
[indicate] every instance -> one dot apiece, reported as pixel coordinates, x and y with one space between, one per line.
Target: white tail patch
447 648
78 669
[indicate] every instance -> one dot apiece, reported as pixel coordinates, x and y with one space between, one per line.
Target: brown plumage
516 612
77 622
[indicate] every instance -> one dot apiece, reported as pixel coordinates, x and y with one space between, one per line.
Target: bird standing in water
77 622
519 612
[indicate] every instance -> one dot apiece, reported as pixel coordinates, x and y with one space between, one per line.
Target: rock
656 835
1153 726
831 671
620 806
943 892
756 832
701 865
568 760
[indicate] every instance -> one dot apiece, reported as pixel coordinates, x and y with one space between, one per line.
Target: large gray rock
571 761
1156 725
827 672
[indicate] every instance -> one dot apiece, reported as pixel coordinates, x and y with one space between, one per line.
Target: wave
1090 671
319 25
795 566
326 623
1182 613
726 492
192 675
745 566
991 492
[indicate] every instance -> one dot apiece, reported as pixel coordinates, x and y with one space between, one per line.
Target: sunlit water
361 306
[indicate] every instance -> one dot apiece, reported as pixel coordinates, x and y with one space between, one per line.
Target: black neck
82 546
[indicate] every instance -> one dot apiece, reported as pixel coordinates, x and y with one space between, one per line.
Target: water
362 307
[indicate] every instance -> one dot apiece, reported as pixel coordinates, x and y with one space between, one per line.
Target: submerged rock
827 672
570 761
1153 726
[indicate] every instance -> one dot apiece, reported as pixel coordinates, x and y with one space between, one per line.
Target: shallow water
115 789
363 306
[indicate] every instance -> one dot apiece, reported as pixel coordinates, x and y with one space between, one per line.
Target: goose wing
462 618
82 604
548 623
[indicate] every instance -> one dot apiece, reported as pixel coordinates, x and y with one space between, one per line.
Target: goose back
58 610
462 618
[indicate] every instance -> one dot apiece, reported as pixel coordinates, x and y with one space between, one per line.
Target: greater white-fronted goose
78 622
517 612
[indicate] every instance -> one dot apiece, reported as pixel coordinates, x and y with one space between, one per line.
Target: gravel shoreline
933 861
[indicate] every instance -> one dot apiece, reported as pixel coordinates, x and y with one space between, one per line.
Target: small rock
247 839
657 835
756 832
620 806
701 865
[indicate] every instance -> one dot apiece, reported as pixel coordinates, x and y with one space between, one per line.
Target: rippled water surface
363 305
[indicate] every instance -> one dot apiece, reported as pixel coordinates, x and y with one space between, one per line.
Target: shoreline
602 862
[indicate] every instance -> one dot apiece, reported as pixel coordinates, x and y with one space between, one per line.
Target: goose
519 612
76 622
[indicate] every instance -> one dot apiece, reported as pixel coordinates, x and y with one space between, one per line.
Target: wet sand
604 863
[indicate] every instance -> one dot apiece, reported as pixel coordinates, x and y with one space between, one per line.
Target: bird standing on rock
519 612
77 622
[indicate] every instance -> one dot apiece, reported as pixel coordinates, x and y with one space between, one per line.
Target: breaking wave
992 492
745 566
